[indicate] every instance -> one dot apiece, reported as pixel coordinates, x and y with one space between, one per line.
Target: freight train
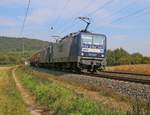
77 51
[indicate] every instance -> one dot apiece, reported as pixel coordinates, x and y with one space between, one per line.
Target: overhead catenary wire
60 14
128 15
122 9
131 14
83 8
96 10
109 2
70 26
23 25
119 11
78 14
25 18
101 7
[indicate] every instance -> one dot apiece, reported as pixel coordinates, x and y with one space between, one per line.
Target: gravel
126 88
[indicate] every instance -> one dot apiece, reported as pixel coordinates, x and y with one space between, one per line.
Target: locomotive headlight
102 55
82 54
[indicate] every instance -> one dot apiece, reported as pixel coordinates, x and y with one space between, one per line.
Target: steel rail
120 78
126 77
131 73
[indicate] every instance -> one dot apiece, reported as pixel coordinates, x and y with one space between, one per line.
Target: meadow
138 68
52 96
59 99
11 102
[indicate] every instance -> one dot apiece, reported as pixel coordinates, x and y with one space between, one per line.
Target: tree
137 58
118 57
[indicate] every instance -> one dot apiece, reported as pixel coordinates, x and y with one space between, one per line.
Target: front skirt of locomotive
91 63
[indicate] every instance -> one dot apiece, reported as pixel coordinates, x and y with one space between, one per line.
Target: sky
126 23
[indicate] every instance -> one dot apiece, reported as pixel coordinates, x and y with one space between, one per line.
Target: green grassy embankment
59 99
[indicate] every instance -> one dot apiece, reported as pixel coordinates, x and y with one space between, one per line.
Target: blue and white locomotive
78 51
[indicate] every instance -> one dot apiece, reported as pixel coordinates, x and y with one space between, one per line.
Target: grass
141 68
140 107
11 102
60 100
114 95
111 100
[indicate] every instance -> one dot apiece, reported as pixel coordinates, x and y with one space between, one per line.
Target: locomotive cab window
93 41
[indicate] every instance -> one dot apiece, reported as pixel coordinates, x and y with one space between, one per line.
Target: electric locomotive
78 51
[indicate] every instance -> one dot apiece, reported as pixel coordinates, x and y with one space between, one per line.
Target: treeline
114 57
121 57
11 58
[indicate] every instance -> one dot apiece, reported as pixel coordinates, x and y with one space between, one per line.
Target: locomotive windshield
87 39
93 45
98 40
93 41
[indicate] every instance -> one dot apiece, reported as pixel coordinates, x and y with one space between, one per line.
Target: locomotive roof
76 33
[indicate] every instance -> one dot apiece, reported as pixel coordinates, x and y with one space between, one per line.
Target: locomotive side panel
75 49
62 51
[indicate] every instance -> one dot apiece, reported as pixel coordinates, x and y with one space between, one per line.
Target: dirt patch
4 68
29 100
11 102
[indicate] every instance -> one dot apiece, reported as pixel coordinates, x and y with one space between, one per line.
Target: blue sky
111 17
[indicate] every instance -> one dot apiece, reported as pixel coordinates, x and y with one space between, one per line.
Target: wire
79 12
25 18
131 14
118 11
69 27
60 14
85 7
130 4
23 26
101 7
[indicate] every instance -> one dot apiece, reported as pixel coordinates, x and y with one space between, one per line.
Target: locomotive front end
92 51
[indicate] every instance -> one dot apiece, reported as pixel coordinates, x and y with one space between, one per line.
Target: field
11 102
62 99
141 68
48 95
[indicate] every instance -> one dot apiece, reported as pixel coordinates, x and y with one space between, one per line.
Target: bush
121 57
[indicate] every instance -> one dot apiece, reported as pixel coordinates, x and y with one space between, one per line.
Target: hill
11 49
9 44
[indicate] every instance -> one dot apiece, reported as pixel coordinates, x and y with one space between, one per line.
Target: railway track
128 77
131 73
126 84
